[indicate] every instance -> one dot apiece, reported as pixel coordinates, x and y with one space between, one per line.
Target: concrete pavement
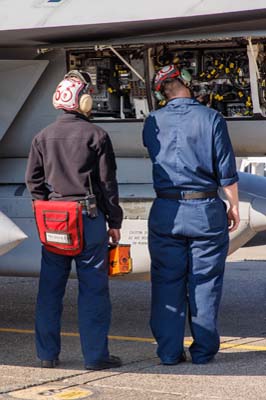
239 371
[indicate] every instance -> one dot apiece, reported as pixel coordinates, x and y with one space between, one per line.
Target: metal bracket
103 47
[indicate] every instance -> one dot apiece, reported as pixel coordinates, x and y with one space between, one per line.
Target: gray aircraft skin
121 53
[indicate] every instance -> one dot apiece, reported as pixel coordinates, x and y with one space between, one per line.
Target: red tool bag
60 226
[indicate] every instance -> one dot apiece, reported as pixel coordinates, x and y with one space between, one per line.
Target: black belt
186 195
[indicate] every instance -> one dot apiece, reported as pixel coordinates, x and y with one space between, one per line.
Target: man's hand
233 218
114 234
231 193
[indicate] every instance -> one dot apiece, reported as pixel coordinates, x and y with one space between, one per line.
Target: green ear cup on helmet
158 95
186 77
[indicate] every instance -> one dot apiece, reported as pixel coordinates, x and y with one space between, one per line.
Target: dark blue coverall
94 306
191 151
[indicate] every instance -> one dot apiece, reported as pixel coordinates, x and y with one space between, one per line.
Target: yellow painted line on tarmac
236 346
11 330
187 343
72 334
132 339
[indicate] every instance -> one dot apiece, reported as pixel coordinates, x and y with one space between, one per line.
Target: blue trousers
94 308
188 243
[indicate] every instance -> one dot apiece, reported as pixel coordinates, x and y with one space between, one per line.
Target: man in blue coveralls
192 156
66 159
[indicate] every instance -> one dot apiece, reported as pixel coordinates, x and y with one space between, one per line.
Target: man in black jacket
65 159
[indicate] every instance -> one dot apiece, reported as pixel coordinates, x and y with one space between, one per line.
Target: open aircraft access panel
228 75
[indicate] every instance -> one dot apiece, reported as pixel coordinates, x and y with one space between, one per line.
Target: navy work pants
188 243
94 308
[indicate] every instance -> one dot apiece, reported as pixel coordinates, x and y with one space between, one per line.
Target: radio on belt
90 201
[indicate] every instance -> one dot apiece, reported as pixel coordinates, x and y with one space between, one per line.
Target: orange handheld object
120 262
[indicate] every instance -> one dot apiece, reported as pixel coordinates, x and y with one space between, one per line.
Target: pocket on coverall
213 214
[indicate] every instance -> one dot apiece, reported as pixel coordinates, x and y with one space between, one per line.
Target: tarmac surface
238 372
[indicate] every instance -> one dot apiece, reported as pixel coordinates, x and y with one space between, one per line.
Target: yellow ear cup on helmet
85 103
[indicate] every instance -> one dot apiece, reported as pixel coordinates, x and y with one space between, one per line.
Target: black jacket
64 154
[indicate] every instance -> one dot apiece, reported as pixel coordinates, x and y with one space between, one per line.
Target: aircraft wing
18 78
50 22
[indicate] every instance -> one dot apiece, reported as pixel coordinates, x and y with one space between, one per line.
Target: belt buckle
190 195
183 195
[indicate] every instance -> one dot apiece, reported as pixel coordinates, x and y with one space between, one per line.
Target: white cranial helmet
72 93
67 93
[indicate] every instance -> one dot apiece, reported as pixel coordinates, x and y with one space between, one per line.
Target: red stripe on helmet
168 75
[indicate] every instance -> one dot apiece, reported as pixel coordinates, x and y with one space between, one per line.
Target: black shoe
49 363
183 358
112 362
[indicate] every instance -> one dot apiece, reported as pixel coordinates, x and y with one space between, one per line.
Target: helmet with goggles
167 73
72 93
